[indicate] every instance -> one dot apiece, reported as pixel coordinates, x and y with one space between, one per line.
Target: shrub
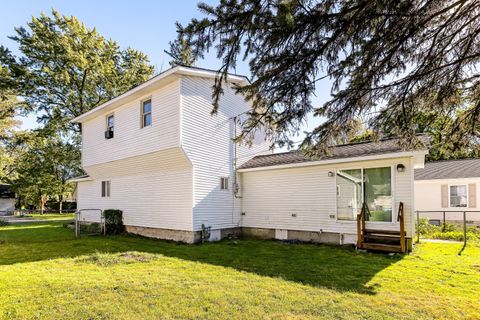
449 232
4 223
114 221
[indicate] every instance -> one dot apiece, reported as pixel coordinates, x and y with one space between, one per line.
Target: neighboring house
7 199
449 185
158 154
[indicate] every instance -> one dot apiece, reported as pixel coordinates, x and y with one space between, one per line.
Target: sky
147 26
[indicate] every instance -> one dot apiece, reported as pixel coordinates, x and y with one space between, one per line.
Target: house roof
152 84
352 150
449 169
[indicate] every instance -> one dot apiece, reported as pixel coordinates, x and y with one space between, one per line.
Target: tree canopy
389 62
63 70
66 69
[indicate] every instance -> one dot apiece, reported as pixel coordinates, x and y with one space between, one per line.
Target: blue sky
147 26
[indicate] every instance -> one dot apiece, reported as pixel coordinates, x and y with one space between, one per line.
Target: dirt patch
108 259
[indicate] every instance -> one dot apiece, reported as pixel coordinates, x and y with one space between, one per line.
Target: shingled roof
337 152
449 169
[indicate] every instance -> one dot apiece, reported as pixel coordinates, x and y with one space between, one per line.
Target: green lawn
49 216
46 274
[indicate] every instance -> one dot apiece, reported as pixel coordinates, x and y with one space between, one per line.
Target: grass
46 274
49 216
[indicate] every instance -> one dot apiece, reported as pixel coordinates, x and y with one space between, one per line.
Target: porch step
382 232
383 237
381 247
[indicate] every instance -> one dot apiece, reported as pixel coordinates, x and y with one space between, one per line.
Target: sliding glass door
372 186
378 193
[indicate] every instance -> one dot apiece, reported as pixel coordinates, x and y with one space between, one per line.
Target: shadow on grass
335 267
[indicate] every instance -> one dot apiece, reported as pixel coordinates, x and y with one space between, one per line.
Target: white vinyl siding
304 198
207 142
130 139
428 197
153 190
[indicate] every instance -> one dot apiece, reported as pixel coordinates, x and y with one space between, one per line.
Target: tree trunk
60 203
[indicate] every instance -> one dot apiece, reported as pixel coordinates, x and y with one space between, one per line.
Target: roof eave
391 155
179 70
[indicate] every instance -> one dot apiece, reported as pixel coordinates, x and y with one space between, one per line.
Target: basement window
224 183
105 189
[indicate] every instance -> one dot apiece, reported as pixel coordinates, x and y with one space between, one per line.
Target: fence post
464 228
443 221
418 226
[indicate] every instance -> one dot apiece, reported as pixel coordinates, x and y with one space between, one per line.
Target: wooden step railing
361 229
401 220
361 225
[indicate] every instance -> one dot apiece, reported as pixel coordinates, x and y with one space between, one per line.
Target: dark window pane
147 119
147 106
110 122
103 189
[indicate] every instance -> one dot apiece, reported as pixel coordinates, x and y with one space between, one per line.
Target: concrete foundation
166 234
258 233
251 233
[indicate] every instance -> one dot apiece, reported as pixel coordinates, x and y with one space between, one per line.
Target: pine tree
388 62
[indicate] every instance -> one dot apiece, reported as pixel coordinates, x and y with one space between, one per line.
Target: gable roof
152 84
449 169
352 150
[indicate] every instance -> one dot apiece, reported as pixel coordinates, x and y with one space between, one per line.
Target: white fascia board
447 180
241 80
75 180
403 154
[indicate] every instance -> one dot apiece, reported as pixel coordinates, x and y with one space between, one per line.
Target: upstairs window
110 122
224 183
105 189
458 196
146 113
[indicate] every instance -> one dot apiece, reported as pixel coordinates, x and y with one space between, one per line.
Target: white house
158 154
450 186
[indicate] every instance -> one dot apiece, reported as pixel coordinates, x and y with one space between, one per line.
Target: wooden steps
382 247
381 240
385 232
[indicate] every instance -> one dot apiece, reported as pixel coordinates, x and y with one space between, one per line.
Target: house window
110 122
146 113
105 189
372 186
224 183
458 196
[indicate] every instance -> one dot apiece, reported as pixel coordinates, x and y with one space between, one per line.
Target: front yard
46 274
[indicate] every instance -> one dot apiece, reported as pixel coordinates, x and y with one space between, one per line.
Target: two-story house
158 154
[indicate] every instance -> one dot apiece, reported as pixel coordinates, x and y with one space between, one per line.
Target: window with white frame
110 122
458 196
224 183
146 113
105 189
370 185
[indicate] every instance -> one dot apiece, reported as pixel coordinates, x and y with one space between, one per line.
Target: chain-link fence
458 225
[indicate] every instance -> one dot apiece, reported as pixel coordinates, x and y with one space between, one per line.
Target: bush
452 231
4 223
114 221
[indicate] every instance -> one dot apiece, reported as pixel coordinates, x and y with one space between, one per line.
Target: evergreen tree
181 53
388 62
